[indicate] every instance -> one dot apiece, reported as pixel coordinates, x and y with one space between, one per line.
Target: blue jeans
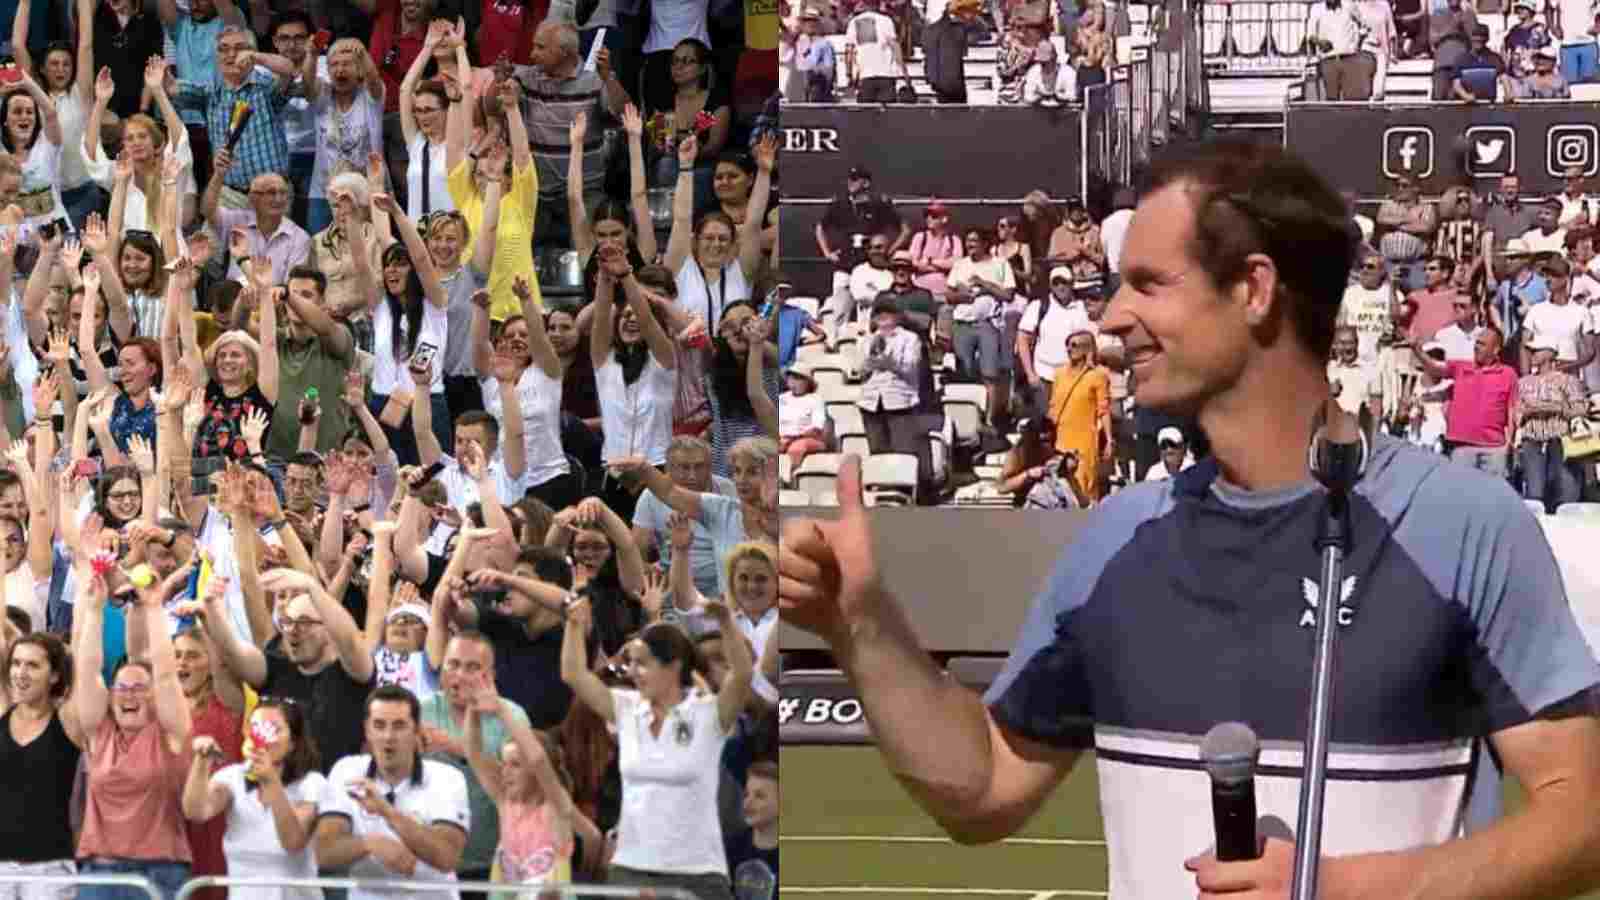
1580 63
168 877
1547 476
403 441
1493 460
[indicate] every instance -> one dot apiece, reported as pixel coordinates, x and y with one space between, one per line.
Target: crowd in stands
388 412
1471 326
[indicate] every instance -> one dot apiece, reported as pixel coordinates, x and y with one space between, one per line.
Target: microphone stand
1337 456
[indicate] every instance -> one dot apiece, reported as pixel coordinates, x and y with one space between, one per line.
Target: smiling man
1179 605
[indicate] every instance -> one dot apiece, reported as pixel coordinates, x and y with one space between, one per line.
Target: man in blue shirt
1190 601
194 39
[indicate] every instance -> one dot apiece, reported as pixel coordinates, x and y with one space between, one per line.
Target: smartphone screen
424 354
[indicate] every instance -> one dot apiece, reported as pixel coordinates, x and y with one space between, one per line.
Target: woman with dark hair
741 387
665 725
606 564
138 731
612 224
693 92
68 77
579 396
30 115
733 181
270 800
714 261
635 367
41 743
424 108
119 496
409 323
26 544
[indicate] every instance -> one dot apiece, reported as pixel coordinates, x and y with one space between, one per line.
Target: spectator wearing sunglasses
1367 305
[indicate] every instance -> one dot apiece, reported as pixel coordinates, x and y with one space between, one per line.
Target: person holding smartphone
409 327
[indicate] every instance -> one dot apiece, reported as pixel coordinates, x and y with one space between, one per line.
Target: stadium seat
793 498
1288 25
811 353
817 473
1589 92
838 392
975 394
828 380
890 479
988 473
1214 33
1578 510
1248 25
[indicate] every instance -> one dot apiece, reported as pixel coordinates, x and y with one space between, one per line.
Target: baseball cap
1435 349
1480 30
810 13
1517 247
860 172
1061 273
901 258
802 370
1170 435
936 208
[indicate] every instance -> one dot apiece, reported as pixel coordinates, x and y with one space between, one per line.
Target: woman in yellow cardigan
1080 407
518 198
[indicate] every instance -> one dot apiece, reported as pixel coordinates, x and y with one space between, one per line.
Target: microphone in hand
1230 751
878 345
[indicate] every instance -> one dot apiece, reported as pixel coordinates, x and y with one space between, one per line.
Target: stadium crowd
1471 326
389 464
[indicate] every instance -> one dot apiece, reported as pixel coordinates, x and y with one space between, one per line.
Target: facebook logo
1408 151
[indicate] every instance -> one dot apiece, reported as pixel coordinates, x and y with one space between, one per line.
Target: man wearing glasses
266 225
262 146
1459 336
194 39
290 36
1368 305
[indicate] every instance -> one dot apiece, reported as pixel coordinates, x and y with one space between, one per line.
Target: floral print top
220 431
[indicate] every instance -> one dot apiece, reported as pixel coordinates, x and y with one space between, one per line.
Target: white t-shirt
1112 233
1576 17
1368 312
136 214
440 797
462 491
872 34
40 196
344 138
1555 325
28 594
1356 384
673 21
1554 242
251 843
1051 327
669 817
798 415
636 418
985 307
438 189
539 395
1458 343
388 373
694 296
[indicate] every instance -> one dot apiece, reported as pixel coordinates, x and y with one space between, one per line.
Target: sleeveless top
35 785
534 848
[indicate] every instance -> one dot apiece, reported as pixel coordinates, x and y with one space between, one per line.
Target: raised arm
342 630
750 233
516 129
661 347
202 798
428 449
437 29
172 709
600 323
421 259
381 585
49 121
630 562
513 441
644 224
245 660
766 409
119 315
93 368
482 348
577 212
539 346
680 242
457 124
89 695
734 692
267 376
575 673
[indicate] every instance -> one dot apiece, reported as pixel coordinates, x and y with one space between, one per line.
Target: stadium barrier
564 891
137 882
1443 144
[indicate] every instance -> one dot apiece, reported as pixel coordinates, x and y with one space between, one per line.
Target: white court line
909 839
948 891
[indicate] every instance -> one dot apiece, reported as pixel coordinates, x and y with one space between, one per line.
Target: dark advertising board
1363 148
933 151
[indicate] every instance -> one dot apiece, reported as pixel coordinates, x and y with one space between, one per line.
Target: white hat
1517 247
1062 272
408 609
1170 435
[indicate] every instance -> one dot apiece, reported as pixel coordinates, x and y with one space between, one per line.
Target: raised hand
385 202
94 234
122 168
184 273
178 386
253 428
233 494
221 163
681 531
45 391
264 500
756 330
375 167
655 591
614 263
340 473
155 74
520 288
687 151
473 461
438 30
580 128
828 575
632 122
91 282
201 247
766 152
480 299
504 367
509 91
142 454
171 166
72 254
104 87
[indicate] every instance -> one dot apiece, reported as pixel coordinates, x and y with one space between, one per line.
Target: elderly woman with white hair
350 196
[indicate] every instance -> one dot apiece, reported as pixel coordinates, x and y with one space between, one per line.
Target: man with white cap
802 421
1520 290
1042 335
1175 455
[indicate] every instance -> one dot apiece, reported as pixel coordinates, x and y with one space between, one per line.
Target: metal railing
564 891
1146 103
138 882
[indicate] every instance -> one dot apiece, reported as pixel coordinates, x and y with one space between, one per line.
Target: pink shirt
535 846
1434 311
133 809
925 248
1480 407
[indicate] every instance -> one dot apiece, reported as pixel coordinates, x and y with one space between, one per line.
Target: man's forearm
933 732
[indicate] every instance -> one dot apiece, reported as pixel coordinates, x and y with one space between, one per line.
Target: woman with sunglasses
269 802
138 732
67 75
1080 407
693 91
1009 246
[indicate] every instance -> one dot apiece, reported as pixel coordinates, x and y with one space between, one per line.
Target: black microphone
1229 752
877 346
1340 446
